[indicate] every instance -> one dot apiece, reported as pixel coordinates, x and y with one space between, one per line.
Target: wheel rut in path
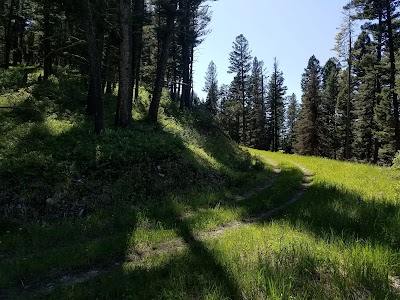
268 183
137 257
307 179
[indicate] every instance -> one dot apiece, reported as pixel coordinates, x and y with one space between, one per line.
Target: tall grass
152 195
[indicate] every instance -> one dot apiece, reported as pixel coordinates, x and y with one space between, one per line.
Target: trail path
138 256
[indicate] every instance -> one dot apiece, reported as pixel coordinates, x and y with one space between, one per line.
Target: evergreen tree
365 98
343 114
123 116
327 134
211 88
276 108
257 119
344 47
292 115
385 134
307 127
169 9
240 65
231 109
383 22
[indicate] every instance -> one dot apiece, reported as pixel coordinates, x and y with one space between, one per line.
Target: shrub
396 161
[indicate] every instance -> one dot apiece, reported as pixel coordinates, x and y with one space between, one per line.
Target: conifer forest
124 177
348 108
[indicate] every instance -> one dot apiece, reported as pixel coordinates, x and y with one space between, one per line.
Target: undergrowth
52 166
152 211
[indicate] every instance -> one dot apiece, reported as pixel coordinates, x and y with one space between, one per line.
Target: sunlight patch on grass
279 260
204 159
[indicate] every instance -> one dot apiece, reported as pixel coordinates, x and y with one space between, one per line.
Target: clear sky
290 30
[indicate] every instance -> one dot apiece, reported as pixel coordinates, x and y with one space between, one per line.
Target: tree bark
162 61
377 144
123 116
393 74
95 67
138 43
185 43
47 61
9 29
348 118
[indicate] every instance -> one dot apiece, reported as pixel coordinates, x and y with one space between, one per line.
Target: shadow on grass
59 170
328 211
56 171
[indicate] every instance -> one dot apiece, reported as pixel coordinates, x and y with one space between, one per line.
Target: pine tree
211 88
123 116
307 127
169 9
95 93
276 107
344 47
240 64
292 115
365 98
257 118
383 21
231 109
343 114
386 135
327 134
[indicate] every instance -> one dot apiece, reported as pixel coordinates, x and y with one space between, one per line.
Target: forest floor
177 211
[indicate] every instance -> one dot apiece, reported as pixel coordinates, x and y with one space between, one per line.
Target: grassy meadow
154 212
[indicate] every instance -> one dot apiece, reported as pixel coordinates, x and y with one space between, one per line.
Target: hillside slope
177 211
52 167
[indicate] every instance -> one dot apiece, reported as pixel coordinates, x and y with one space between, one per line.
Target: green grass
152 195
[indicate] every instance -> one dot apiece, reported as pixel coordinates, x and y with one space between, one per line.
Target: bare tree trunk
377 144
95 66
47 62
393 74
162 61
9 28
123 116
244 139
108 67
184 7
348 118
91 96
191 74
138 43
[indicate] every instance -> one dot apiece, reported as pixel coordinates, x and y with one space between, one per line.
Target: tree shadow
327 210
59 175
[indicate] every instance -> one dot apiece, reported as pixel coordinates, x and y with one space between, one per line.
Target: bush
396 161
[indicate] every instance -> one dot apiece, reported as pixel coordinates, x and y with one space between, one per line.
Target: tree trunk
123 116
95 67
138 43
348 118
377 144
191 74
244 139
47 61
162 61
185 43
91 96
9 28
108 67
393 74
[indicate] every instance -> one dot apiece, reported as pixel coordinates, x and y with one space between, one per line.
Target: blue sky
290 30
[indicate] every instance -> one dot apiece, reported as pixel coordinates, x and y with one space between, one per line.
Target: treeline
349 106
114 44
252 108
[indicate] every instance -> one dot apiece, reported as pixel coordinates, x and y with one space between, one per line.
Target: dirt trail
266 185
138 256
307 179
